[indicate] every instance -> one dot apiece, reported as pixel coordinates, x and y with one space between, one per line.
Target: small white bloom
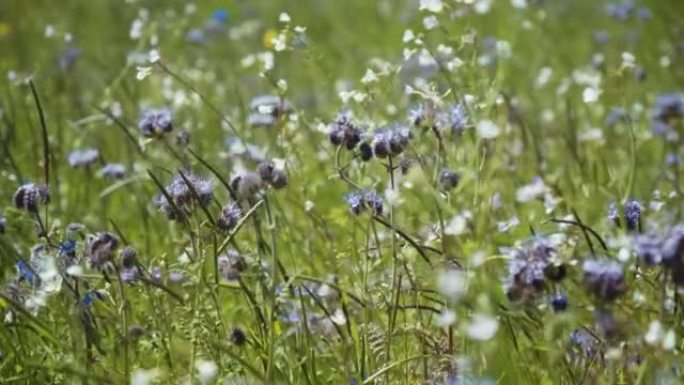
280 42
591 94
369 77
154 56
136 29
144 376
628 60
430 22
300 29
408 36
487 129
457 226
483 327
446 318
206 371
338 317
590 135
670 340
308 206
544 76
654 333
452 283
435 6
284 18
392 197
531 191
49 31
143 72
520 4
483 6
282 85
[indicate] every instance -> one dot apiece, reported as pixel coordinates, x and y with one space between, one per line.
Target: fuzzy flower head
113 170
231 265
632 210
529 268
155 122
390 141
364 200
84 158
29 196
275 177
230 216
185 195
454 119
605 279
667 109
343 131
100 248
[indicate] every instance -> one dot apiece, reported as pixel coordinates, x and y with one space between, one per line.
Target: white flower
446 318
654 333
49 31
282 84
408 36
483 6
531 191
284 18
280 42
590 94
308 206
452 283
430 22
544 76
136 29
206 371
144 376
457 226
487 129
520 4
435 6
392 197
628 60
143 72
369 77
482 327
670 340
154 56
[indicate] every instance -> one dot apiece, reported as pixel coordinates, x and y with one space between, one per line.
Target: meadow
443 192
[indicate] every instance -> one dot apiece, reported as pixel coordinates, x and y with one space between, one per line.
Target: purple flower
605 279
632 215
343 131
114 170
616 115
230 216
648 248
529 267
364 200
30 195
182 195
231 265
99 249
155 122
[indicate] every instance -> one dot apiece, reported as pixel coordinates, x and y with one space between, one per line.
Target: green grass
326 296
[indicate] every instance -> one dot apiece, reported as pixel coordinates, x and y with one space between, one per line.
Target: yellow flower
5 29
269 38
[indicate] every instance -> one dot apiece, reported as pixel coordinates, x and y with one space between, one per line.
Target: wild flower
184 195
182 138
364 200
648 248
29 196
275 177
448 179
667 108
247 185
113 170
100 248
344 132
603 278
83 158
230 216
155 122
453 118
391 140
529 268
632 210
231 264
3 223
559 302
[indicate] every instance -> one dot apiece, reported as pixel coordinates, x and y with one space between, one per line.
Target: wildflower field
444 192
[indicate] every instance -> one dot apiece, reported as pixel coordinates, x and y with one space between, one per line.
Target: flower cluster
667 110
155 122
632 214
389 141
666 250
529 268
185 191
364 200
603 278
344 132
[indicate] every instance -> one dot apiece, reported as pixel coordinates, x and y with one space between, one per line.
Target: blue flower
221 15
25 272
67 247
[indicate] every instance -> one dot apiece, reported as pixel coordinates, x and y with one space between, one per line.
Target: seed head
128 257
